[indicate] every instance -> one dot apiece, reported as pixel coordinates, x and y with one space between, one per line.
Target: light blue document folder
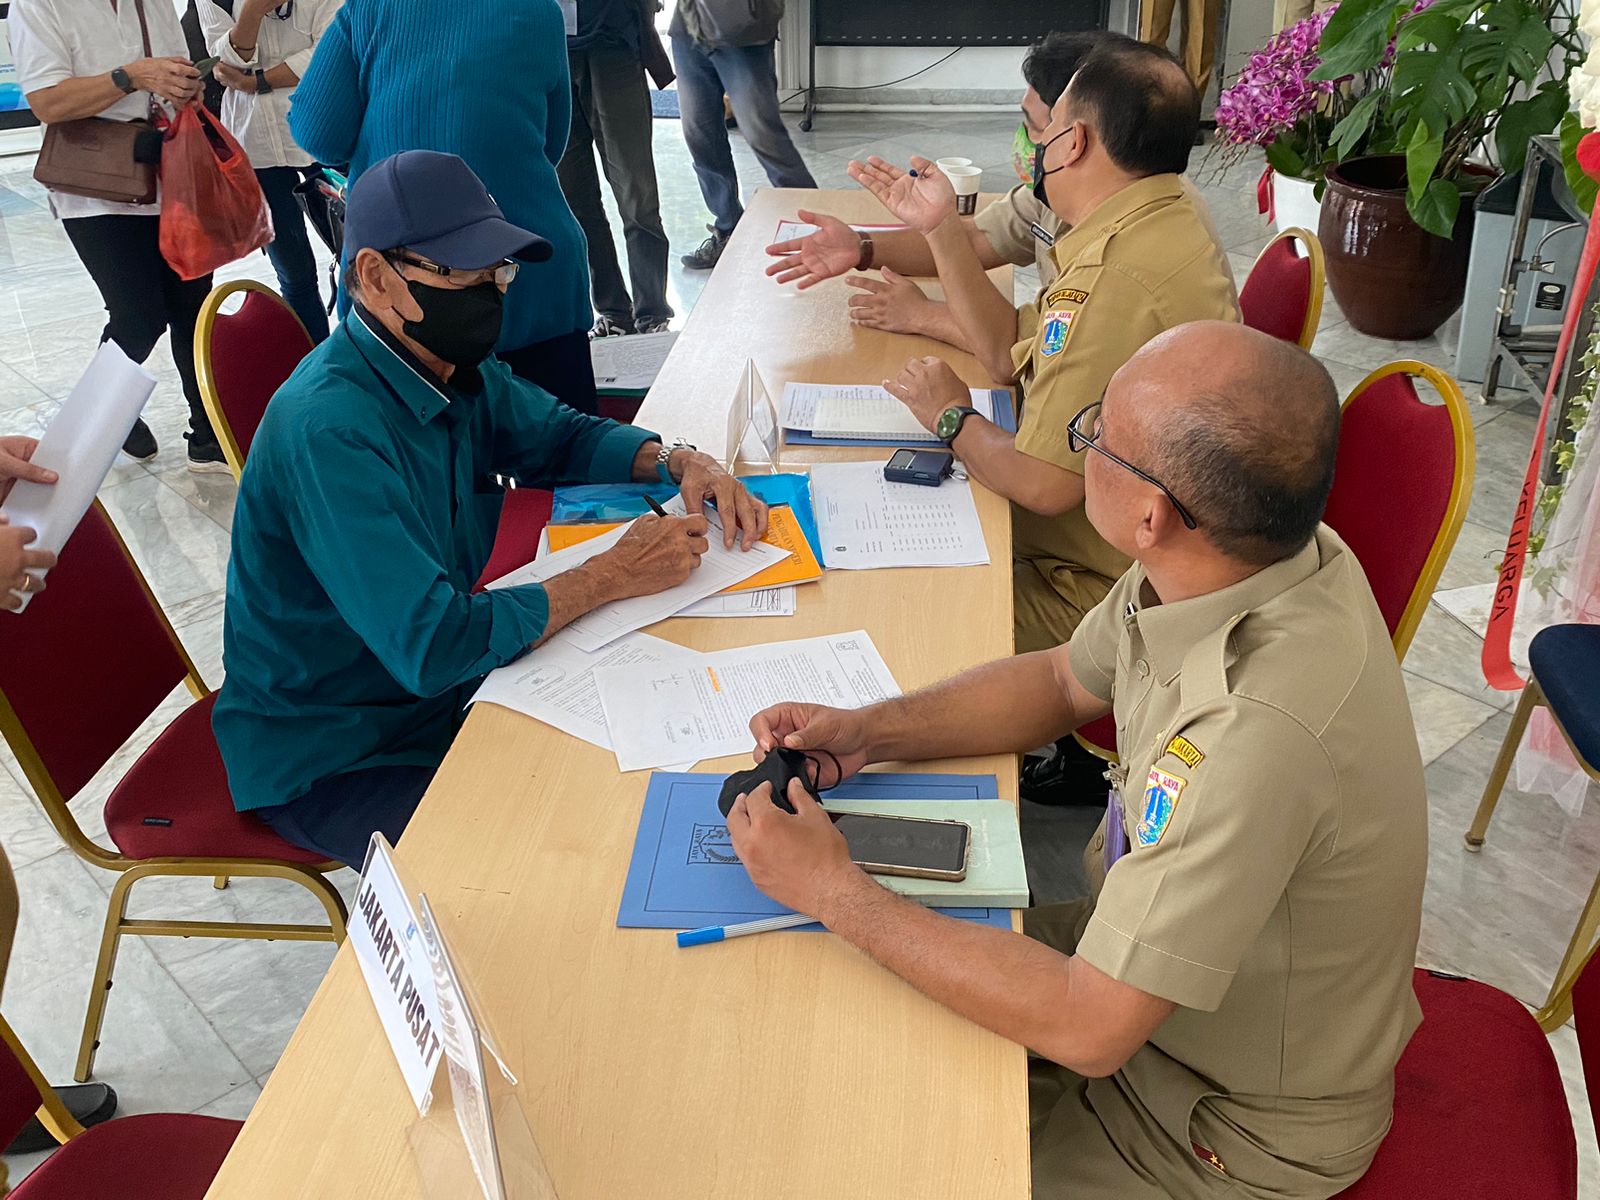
685 875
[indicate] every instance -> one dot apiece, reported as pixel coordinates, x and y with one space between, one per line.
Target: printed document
679 711
630 364
867 522
801 400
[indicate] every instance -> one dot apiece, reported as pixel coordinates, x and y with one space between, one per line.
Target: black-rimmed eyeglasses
500 275
1084 430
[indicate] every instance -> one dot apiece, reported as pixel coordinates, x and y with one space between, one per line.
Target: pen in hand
655 507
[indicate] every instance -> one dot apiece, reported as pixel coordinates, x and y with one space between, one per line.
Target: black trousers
144 296
561 366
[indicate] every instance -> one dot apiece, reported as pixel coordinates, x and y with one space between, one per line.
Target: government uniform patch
1181 747
1161 794
1057 328
1065 295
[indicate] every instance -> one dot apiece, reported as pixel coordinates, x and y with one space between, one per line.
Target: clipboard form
685 875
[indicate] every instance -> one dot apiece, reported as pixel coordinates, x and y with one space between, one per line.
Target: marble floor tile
1476 557
1503 445
1443 716
1447 652
180 549
236 1105
16 392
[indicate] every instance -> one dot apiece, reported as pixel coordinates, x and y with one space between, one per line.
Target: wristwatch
664 456
262 86
951 420
124 81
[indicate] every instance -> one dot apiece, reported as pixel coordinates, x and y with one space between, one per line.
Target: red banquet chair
173 1156
1401 485
1282 295
171 813
242 358
1480 1112
523 516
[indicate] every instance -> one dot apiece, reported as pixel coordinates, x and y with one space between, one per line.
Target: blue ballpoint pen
719 933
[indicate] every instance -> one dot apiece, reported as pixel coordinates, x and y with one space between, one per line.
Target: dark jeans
611 114
290 249
561 366
337 816
144 296
749 76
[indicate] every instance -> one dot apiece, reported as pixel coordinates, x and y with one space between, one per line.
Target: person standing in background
1200 21
88 58
264 47
486 80
726 47
611 114
1286 12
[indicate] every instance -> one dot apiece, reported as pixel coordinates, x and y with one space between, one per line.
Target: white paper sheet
789 230
80 445
767 602
719 568
665 713
868 522
555 682
800 400
630 363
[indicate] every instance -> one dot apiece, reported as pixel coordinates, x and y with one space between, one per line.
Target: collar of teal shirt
417 387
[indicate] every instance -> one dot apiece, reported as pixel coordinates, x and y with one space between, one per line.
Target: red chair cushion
19 1098
157 1156
1277 294
89 659
1479 1108
1586 1017
1101 734
1391 486
523 516
252 352
174 801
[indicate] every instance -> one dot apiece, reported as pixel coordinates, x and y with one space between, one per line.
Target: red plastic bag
212 209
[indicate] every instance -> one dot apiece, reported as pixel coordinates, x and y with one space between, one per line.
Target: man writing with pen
353 635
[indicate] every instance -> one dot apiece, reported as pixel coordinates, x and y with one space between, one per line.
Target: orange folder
783 531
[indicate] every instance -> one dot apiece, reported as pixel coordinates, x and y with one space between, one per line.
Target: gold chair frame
1319 276
1455 512
1557 1005
131 870
210 310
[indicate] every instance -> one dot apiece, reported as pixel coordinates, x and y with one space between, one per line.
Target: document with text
867 521
678 711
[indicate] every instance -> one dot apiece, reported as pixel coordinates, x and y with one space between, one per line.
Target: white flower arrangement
1583 85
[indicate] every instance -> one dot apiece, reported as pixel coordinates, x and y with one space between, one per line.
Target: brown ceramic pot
1392 278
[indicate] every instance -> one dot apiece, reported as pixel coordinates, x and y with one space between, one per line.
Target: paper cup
944 164
965 181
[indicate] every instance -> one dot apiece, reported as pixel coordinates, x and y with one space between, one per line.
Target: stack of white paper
802 401
867 522
682 710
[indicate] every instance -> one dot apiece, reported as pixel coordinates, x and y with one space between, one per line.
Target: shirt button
1142 667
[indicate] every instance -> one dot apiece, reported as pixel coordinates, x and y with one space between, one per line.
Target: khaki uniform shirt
1276 819
1138 265
1010 222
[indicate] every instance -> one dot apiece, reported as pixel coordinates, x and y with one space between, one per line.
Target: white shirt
261 123
56 40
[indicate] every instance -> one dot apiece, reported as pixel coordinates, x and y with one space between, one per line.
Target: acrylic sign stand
753 431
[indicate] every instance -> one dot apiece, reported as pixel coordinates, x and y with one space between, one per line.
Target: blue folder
684 873
1005 416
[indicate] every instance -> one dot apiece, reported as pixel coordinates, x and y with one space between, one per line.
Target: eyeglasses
501 276
1084 430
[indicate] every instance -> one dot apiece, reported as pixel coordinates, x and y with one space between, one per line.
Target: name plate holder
753 429
475 1139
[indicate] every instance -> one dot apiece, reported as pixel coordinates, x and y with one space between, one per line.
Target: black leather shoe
89 1103
141 443
1070 776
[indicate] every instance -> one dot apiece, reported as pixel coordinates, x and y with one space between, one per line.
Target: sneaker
89 1103
1070 776
606 327
206 458
658 325
141 443
709 252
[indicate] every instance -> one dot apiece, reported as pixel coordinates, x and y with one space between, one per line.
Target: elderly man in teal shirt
352 638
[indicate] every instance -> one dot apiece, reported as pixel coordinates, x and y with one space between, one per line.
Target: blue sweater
485 79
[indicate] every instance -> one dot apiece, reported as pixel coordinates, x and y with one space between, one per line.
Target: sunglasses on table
1084 431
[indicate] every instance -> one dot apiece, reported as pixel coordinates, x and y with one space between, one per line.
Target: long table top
781 1066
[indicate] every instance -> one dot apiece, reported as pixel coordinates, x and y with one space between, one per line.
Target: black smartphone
927 467
206 66
917 846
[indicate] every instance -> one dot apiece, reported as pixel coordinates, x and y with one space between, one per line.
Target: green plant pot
1392 278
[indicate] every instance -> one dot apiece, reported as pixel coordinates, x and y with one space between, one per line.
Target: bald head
1242 426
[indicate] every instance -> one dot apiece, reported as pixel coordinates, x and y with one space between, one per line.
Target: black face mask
459 325
1038 168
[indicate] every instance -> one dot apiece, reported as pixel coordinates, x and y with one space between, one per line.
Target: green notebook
996 875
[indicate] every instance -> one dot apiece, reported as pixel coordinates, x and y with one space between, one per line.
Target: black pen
654 507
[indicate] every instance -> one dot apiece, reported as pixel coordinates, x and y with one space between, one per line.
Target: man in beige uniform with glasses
1224 1015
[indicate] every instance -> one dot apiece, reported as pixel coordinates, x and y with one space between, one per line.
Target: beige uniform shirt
1276 819
1014 222
1138 265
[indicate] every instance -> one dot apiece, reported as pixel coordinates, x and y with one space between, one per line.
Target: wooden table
785 1066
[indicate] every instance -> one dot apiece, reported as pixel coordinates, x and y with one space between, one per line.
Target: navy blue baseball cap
434 205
